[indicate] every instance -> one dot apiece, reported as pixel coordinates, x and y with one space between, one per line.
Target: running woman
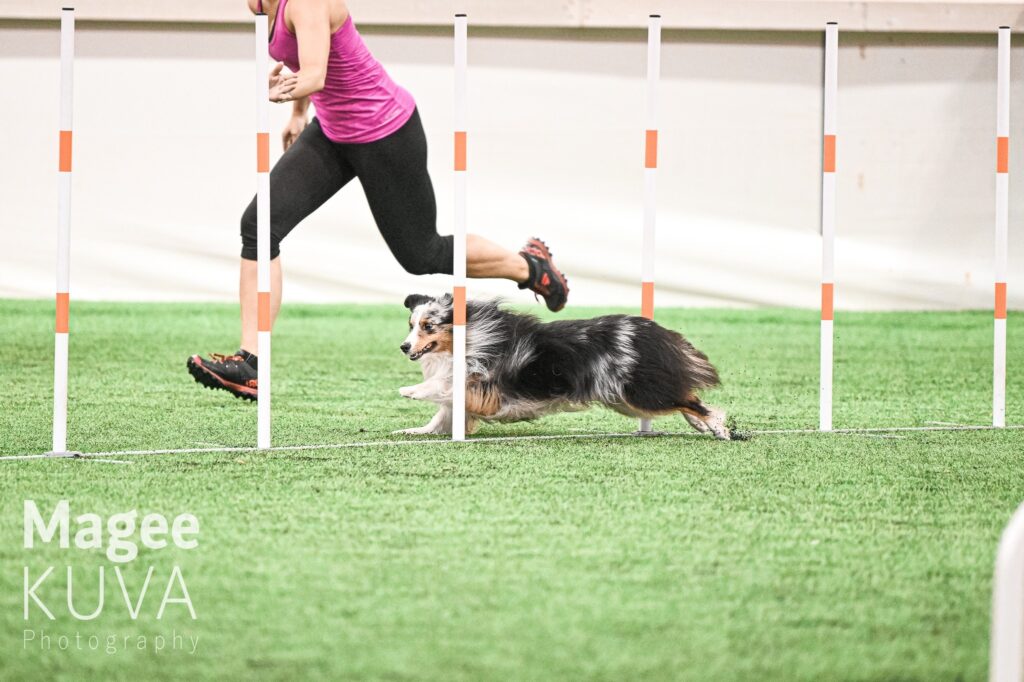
366 127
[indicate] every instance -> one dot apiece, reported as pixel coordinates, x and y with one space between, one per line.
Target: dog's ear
447 303
413 300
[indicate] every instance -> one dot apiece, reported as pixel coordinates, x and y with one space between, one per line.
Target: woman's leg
309 173
247 299
393 172
486 259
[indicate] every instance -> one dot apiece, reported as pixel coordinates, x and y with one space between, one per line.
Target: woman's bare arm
296 124
300 107
312 21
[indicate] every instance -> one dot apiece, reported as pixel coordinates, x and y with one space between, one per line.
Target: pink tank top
359 103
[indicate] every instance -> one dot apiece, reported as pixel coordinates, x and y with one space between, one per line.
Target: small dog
519 368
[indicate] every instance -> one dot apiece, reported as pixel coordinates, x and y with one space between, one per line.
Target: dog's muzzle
421 352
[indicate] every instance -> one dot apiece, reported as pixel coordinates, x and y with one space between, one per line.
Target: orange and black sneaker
235 374
545 279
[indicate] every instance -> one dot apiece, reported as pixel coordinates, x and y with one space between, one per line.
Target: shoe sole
210 380
537 243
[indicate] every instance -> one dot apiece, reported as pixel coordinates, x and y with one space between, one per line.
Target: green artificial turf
790 557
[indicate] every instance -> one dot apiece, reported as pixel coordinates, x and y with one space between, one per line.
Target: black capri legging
393 172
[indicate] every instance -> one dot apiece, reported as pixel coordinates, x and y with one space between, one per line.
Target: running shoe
545 279
235 374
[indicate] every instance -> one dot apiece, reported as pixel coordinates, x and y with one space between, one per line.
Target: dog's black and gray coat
520 368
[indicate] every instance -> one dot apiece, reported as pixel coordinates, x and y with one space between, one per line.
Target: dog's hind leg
696 422
705 419
716 422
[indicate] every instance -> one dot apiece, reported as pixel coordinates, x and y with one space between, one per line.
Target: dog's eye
428 327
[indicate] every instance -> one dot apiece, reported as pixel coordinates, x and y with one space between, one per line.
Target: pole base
65 455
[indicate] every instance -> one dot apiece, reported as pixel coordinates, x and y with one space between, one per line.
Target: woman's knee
432 257
248 231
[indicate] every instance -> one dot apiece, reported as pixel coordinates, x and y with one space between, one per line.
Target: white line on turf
92 457
513 439
886 429
887 436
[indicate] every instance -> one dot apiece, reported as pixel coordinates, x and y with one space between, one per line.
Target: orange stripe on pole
1000 300
647 300
826 300
459 306
263 316
1003 155
830 154
262 152
460 151
63 307
651 150
65 151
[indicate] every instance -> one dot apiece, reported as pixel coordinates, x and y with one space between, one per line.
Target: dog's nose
405 347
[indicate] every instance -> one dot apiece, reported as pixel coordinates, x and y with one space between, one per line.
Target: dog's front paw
424 391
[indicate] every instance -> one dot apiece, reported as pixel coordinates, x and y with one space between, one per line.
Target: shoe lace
220 357
537 247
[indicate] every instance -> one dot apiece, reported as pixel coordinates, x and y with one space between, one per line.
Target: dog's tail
700 370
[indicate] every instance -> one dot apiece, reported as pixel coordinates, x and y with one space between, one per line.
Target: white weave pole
60 354
263 231
650 176
828 222
459 265
1006 652
1002 224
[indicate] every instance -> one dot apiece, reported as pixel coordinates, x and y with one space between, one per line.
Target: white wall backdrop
164 126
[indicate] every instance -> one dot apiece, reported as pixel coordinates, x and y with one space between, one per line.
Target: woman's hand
295 126
281 85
